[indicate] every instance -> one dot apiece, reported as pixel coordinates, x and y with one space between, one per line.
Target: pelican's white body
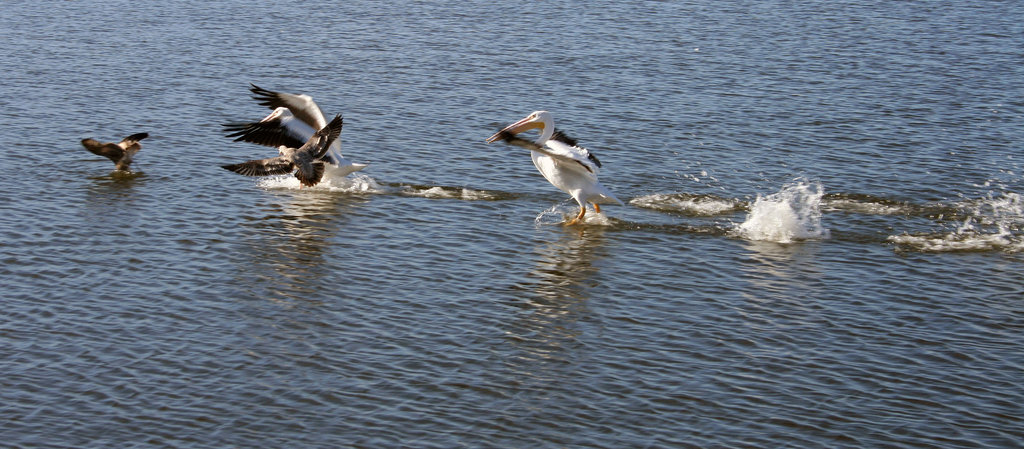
571 177
570 168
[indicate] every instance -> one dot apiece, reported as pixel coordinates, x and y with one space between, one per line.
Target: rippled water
821 246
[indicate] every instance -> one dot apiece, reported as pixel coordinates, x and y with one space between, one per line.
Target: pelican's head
537 120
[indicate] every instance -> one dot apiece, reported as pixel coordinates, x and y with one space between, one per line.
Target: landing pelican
565 165
121 153
294 119
305 160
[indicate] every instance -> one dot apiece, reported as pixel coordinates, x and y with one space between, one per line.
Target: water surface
821 243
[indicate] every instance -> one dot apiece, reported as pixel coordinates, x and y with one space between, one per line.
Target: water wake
357 183
995 223
443 192
360 183
792 214
688 204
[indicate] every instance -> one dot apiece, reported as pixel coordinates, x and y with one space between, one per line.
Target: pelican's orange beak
528 123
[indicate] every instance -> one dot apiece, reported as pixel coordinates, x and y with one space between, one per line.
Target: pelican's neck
546 132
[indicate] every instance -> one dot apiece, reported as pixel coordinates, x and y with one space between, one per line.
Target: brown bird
307 161
121 153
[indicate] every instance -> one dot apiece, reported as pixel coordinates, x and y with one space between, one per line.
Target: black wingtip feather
263 96
561 137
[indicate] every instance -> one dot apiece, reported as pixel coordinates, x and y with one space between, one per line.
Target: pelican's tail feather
601 195
343 169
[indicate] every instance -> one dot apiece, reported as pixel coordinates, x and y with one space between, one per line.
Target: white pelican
121 153
565 165
294 120
305 160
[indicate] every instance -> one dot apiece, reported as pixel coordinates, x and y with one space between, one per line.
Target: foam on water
360 183
792 214
357 183
868 206
995 223
700 205
440 192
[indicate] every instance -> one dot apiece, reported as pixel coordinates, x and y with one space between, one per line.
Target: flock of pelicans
308 146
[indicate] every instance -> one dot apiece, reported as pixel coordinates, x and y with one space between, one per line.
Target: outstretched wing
316 147
279 128
309 168
131 143
134 138
108 150
302 106
560 156
262 167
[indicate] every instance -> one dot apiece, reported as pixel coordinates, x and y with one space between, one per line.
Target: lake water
822 244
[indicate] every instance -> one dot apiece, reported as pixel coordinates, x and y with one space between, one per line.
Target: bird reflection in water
285 256
548 329
565 267
113 198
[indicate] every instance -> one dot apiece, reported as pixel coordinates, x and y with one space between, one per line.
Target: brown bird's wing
310 174
134 138
262 167
309 170
108 150
131 143
316 147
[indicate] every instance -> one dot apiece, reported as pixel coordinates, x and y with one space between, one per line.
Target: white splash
792 214
993 223
565 212
358 183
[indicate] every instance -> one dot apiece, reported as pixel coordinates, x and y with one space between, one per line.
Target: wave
994 223
361 183
793 214
690 204
450 192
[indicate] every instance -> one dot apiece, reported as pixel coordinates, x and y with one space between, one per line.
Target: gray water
821 244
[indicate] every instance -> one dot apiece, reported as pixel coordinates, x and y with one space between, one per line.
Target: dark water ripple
437 302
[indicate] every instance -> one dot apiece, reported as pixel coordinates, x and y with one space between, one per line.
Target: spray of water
565 211
357 183
792 214
995 222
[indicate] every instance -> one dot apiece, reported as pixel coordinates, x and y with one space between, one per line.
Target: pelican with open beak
566 165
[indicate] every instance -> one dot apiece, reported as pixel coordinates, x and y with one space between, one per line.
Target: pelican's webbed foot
579 218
